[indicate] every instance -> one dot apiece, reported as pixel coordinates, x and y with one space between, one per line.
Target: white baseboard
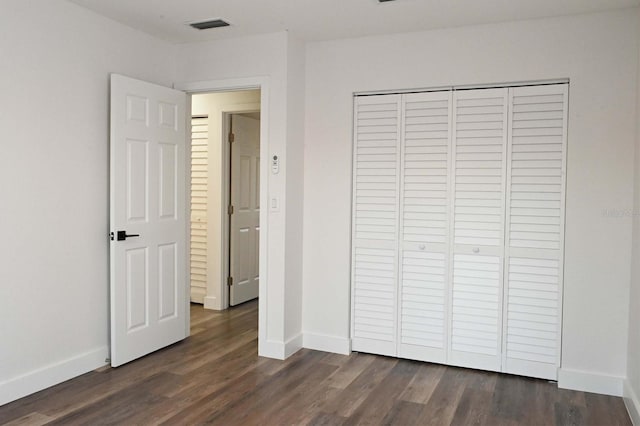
632 402
280 350
198 294
212 302
271 349
322 342
45 377
293 345
590 382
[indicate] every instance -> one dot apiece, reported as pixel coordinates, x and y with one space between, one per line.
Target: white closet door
424 210
376 182
199 177
535 229
478 179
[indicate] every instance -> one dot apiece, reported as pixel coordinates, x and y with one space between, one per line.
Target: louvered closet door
424 210
375 224
199 177
478 174
535 229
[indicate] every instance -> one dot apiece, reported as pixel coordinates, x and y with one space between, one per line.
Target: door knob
122 235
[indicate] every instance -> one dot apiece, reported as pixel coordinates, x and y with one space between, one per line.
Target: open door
244 221
148 214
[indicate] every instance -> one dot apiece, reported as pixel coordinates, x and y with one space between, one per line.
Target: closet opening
458 225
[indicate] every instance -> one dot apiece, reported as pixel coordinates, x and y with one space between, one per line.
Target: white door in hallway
148 218
245 201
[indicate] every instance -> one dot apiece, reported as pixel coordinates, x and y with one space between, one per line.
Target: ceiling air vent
213 23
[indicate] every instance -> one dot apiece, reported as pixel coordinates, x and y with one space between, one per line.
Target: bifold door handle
122 235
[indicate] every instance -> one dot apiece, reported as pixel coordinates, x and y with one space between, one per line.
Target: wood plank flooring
216 377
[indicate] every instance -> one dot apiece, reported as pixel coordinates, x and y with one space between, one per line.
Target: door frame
226 85
225 258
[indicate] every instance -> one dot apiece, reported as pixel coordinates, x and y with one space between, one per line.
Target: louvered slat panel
480 146
535 229
476 312
536 167
425 226
374 290
376 181
425 166
199 167
422 317
532 317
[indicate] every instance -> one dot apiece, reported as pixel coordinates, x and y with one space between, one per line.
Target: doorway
224 198
150 172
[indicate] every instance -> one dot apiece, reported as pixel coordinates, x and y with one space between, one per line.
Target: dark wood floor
216 377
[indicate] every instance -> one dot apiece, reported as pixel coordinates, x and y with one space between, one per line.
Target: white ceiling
328 19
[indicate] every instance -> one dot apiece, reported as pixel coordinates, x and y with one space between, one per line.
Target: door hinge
230 210
229 281
232 137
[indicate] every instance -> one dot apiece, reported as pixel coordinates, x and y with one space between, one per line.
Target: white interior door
376 192
245 218
148 213
478 201
199 207
535 230
424 218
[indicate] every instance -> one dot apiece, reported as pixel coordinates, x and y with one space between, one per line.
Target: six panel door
147 202
245 220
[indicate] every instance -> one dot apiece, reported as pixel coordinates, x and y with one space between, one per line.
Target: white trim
590 382
280 350
293 345
511 84
213 303
197 294
187 205
52 374
308 342
271 349
223 85
404 91
631 402
463 87
265 348
325 343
